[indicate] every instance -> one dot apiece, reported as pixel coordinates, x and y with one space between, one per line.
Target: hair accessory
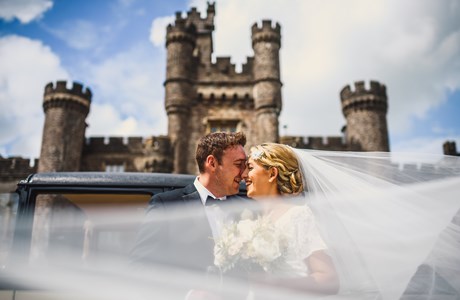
257 154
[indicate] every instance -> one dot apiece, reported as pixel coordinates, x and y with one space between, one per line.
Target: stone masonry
365 111
64 129
201 96
450 148
204 96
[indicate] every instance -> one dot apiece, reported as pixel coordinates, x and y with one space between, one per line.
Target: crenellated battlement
223 64
61 88
180 32
126 145
224 70
180 25
376 89
374 98
365 111
60 96
266 33
134 154
266 27
15 168
334 143
113 144
205 24
193 23
248 66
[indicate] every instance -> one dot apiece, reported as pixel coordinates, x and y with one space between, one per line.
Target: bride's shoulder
298 212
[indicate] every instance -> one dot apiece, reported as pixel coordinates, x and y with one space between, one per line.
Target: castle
201 96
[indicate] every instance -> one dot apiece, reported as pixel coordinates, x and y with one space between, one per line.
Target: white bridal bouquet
250 243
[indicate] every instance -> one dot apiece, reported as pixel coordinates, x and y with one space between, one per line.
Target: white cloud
128 95
158 30
24 10
413 47
106 120
27 66
79 34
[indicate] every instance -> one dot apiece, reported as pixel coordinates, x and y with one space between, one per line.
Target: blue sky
117 49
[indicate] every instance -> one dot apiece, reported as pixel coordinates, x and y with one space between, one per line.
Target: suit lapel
190 193
199 223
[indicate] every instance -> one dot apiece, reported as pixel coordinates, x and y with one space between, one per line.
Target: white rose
235 247
266 248
246 229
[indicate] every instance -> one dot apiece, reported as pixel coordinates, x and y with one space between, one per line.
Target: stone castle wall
64 130
12 170
200 93
450 148
365 111
134 154
331 143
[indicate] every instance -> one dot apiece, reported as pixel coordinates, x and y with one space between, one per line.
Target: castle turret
365 111
179 89
204 28
450 148
64 129
266 42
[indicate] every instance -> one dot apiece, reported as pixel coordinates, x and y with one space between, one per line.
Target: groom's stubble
229 172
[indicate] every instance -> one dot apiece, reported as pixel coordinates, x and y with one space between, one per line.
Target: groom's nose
245 172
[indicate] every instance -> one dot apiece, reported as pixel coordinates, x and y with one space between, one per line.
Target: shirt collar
203 192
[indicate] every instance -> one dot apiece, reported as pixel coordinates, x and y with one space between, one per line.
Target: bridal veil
391 221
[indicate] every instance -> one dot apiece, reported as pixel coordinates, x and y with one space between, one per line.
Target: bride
369 226
273 173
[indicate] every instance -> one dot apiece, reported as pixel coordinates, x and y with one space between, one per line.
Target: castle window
114 168
222 125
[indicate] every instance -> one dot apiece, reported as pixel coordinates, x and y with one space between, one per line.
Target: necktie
213 201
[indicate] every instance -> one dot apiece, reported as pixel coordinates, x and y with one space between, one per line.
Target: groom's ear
211 162
273 174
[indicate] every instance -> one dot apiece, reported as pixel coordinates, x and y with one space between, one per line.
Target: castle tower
64 129
179 89
266 43
450 148
365 112
204 28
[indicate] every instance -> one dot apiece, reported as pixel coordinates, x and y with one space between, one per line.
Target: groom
180 225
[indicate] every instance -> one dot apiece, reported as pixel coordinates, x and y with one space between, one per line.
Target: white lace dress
298 225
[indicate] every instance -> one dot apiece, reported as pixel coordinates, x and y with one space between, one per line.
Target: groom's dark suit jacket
176 231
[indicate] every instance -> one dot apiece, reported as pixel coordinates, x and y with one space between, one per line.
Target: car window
79 227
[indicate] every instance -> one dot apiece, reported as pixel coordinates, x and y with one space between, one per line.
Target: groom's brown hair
215 143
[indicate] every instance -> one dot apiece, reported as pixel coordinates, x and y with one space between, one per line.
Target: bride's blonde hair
289 180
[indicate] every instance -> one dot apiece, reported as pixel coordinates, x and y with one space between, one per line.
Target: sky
116 48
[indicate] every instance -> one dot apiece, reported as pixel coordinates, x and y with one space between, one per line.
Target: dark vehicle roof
104 179
97 179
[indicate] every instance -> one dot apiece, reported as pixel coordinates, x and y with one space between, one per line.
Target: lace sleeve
306 238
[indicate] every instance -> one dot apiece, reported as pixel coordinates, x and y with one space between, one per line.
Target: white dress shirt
216 216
